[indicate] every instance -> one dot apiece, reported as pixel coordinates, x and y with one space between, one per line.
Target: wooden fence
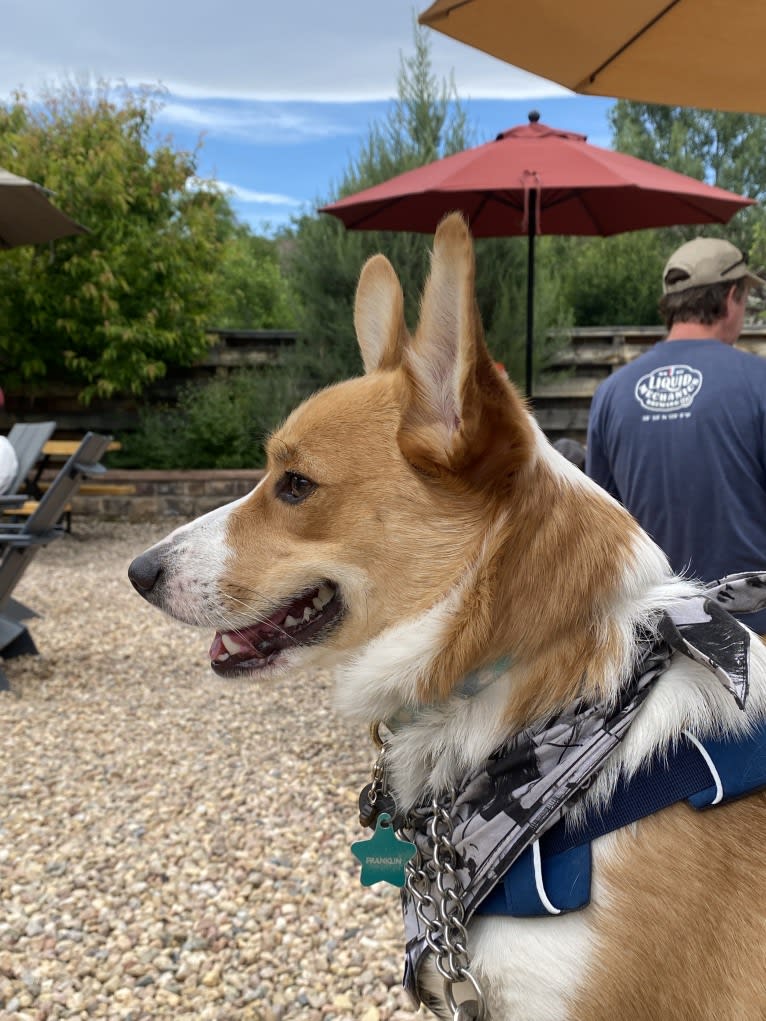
232 349
561 403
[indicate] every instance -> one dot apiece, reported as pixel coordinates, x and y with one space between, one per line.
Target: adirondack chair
27 440
19 543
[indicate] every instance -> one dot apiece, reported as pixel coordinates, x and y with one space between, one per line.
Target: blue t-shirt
678 436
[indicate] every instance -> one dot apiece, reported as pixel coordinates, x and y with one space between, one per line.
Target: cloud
241 194
249 195
283 94
256 123
348 50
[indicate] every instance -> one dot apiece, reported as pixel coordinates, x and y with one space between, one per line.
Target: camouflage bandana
522 790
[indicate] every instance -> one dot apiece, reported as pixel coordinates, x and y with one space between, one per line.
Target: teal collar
471 685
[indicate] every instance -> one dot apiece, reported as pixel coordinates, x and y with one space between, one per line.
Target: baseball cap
706 261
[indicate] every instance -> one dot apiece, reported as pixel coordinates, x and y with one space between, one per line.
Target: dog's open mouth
304 619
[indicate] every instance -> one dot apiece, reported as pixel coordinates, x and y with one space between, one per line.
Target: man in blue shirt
678 436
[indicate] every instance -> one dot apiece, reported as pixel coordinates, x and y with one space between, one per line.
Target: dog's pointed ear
460 414
379 315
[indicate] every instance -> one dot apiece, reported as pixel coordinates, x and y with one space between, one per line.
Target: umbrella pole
531 231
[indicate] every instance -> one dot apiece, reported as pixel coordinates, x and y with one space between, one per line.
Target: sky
280 93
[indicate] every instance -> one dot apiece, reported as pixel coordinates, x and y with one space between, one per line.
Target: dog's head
392 501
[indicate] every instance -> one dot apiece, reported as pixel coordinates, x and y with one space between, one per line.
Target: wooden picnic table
56 450
62 449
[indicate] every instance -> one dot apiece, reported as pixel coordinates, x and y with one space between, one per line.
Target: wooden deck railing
591 354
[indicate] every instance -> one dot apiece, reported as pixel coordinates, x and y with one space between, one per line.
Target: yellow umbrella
703 53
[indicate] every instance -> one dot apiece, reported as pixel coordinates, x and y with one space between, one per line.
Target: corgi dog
415 530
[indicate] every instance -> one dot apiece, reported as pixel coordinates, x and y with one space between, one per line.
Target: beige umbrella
27 217
703 53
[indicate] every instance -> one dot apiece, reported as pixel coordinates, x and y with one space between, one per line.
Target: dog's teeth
308 613
325 595
318 604
222 657
291 621
231 644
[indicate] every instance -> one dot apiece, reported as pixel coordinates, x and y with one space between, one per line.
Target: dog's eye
292 487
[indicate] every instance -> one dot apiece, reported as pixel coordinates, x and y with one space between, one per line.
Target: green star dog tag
384 855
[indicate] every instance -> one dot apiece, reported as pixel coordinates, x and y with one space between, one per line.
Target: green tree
613 281
617 280
111 309
253 293
426 122
218 424
501 291
724 149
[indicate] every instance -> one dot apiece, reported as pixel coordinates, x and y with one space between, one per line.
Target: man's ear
379 315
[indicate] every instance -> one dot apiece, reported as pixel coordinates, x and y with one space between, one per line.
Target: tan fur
520 586
445 482
379 315
433 486
683 933
338 522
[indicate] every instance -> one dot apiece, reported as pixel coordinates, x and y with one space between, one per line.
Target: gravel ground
172 845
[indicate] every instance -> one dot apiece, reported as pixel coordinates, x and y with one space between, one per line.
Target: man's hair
699 304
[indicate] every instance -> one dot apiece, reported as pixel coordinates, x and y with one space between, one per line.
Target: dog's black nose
144 571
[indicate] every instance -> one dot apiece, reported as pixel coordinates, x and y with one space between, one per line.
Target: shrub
218 424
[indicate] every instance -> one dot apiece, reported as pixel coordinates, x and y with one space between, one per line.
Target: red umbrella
535 179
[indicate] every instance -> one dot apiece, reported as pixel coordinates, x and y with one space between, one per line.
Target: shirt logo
670 388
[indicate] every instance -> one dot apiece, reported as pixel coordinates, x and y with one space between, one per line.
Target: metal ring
375 737
466 976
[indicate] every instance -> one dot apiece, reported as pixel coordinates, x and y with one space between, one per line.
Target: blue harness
553 876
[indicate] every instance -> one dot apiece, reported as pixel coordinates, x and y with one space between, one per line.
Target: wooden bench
53 452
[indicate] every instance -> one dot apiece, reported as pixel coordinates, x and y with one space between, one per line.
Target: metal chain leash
442 914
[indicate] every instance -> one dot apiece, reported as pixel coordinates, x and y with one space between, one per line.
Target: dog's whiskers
259 618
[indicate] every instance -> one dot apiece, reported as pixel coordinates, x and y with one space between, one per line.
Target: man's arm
597 464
